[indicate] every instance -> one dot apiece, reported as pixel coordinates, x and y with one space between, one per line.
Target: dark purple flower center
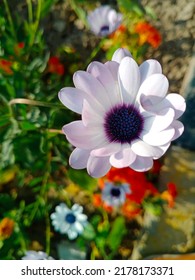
123 124
104 30
70 218
115 192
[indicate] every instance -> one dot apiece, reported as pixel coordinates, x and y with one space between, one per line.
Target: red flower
148 34
124 175
21 45
156 167
55 66
139 186
5 65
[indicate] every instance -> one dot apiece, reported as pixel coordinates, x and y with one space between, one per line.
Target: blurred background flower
33 255
70 221
104 20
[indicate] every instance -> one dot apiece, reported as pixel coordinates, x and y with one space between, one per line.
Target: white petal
78 159
179 129
163 149
149 67
63 228
113 68
86 82
142 164
160 121
98 166
129 79
103 75
82 218
123 158
108 150
90 116
143 149
158 138
172 100
155 87
78 227
72 98
76 208
72 234
119 54
112 16
84 137
177 102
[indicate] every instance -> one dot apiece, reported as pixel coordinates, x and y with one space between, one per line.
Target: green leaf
25 125
150 12
131 6
81 178
89 232
6 203
7 156
46 7
153 206
117 232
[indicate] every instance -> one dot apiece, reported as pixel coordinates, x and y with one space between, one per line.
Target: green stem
30 11
22 242
10 19
48 234
34 103
35 25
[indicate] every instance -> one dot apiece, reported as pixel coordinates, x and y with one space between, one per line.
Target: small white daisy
128 119
115 195
104 20
70 221
34 255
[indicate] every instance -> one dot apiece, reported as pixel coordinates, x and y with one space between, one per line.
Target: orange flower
5 65
170 194
55 66
6 228
148 34
120 30
97 202
130 209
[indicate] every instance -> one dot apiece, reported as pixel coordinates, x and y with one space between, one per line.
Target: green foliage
34 172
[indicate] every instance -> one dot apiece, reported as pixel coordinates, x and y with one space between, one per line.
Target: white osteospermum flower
34 255
128 119
70 221
104 20
115 195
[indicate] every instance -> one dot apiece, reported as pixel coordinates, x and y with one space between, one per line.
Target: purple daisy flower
104 20
128 119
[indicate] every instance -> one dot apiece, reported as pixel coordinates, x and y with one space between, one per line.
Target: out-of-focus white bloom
34 255
104 20
115 195
128 119
70 221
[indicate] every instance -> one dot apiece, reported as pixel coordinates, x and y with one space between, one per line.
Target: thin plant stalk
34 103
10 19
30 11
